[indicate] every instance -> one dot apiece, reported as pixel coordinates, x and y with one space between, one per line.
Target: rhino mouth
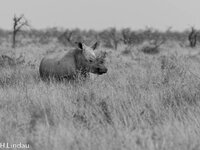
101 71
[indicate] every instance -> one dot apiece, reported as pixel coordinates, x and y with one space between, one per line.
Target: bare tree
18 24
192 37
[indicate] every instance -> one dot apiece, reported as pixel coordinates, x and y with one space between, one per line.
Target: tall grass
148 104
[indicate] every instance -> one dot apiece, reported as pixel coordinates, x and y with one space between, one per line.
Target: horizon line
60 28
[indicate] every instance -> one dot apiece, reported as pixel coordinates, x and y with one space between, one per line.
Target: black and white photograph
100 74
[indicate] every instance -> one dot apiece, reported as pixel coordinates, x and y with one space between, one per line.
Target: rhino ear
80 45
96 44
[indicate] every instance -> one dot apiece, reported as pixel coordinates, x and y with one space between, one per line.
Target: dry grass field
144 102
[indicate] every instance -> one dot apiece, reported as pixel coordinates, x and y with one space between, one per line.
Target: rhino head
87 61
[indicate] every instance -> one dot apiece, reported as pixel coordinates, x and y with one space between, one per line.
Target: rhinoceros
71 64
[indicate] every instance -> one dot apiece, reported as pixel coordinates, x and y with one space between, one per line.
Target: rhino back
59 64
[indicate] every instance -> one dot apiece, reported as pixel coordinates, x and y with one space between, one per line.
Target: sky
102 14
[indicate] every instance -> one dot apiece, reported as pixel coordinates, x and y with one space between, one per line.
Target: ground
144 102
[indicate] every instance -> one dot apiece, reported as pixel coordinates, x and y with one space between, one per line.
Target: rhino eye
90 61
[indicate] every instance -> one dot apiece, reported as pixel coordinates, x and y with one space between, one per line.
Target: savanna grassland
144 102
